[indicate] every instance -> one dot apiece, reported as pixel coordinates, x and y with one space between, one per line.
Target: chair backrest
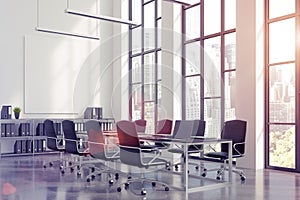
198 128
140 125
236 131
50 132
127 134
95 139
128 137
183 129
164 126
70 134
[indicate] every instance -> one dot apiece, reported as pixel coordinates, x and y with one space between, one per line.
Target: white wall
81 74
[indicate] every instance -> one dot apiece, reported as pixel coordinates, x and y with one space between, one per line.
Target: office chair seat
221 155
176 150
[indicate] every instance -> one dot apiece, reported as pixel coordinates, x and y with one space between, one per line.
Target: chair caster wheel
119 189
243 178
153 184
93 177
61 167
45 166
126 187
218 178
143 192
70 163
79 173
111 182
176 167
116 176
129 177
197 167
88 180
167 188
203 174
62 171
78 167
50 164
72 169
93 169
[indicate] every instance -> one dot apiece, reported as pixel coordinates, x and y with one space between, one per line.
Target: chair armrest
72 140
198 137
234 147
53 138
105 146
116 154
58 140
77 144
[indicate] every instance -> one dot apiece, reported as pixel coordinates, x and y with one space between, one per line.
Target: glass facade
281 87
145 61
209 67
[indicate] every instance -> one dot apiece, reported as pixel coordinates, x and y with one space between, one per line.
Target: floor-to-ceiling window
209 50
145 61
282 76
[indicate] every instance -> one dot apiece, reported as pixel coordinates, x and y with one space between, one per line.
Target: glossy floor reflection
24 178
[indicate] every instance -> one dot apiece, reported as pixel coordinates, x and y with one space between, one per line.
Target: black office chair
234 130
53 142
73 145
98 149
131 154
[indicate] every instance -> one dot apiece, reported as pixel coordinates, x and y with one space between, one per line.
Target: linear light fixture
66 33
101 17
179 2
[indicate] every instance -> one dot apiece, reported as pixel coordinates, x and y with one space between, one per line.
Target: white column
250 79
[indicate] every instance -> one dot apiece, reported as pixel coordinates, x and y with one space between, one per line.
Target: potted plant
17 111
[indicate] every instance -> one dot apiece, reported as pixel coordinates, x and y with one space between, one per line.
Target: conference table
185 143
112 137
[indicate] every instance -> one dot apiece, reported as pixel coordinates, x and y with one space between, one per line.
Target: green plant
17 110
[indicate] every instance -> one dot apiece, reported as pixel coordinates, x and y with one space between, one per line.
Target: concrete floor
24 178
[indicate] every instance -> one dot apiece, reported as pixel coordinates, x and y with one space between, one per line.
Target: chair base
143 181
61 160
77 165
221 173
199 167
96 171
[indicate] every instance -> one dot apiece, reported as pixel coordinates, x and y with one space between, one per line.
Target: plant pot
17 115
